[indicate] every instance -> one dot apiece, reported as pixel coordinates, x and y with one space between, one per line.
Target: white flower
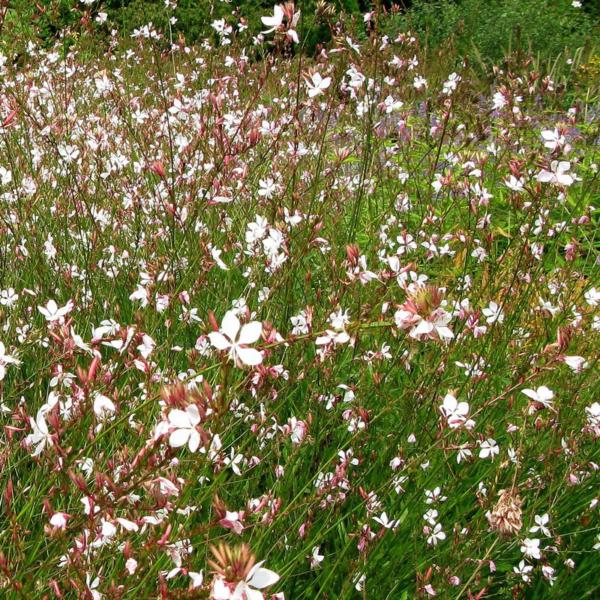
40 435
431 516
53 313
592 296
197 578
540 524
316 558
514 184
317 85
576 363
456 412
131 565
59 520
548 573
275 21
233 461
436 535
488 448
6 359
92 585
523 570
593 414
531 548
543 395
258 579
235 339
558 173
553 139
8 297
385 522
185 431
103 406
493 313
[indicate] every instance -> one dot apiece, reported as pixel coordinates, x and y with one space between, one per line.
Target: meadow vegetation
280 323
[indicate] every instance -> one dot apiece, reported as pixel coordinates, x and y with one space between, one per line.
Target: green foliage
488 29
482 30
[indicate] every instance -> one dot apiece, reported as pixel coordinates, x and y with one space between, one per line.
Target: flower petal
218 340
179 437
179 418
262 578
249 356
230 325
250 332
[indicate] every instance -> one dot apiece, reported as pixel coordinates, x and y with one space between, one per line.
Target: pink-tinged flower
53 313
576 363
558 173
316 84
235 338
184 424
456 413
316 558
424 316
233 520
59 520
131 566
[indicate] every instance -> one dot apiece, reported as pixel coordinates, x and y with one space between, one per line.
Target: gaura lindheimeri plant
401 398
236 339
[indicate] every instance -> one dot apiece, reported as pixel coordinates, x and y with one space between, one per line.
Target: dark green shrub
488 29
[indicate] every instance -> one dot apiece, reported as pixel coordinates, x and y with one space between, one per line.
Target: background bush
483 30
488 29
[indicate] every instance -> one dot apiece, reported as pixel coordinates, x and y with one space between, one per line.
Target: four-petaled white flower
6 359
184 424
558 173
235 338
53 313
436 535
40 435
275 21
493 313
488 448
523 570
456 413
543 395
540 524
531 548
317 85
248 589
386 522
